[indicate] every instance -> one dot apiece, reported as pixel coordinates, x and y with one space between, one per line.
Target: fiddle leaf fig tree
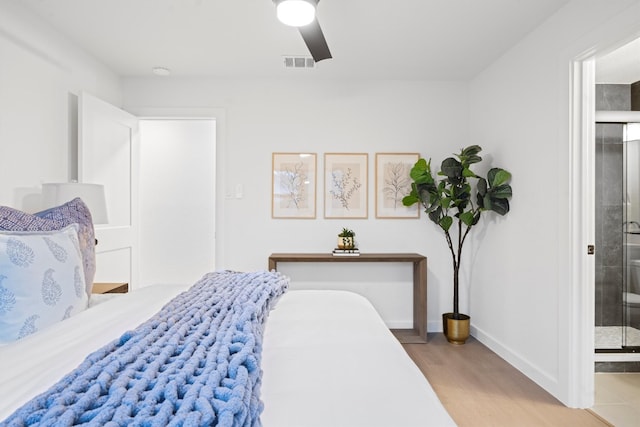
450 200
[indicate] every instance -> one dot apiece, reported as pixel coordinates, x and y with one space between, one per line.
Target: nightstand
110 288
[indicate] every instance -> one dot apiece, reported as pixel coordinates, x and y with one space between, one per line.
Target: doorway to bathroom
617 218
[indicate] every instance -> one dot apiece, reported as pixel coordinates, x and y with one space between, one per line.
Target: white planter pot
346 243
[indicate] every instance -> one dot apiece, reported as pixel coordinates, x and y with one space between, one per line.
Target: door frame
582 230
580 369
220 116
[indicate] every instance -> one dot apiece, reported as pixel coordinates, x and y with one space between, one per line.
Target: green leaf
473 159
421 171
500 206
423 179
461 194
421 176
468 173
410 200
469 155
471 150
501 192
421 164
435 215
461 204
467 218
445 202
476 217
486 202
482 187
498 176
451 168
446 222
424 192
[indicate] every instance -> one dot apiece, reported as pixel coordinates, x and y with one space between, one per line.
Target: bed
233 349
327 360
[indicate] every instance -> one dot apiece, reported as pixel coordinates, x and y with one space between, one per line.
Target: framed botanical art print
293 193
393 182
345 185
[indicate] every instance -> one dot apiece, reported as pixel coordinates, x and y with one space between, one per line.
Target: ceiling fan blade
315 41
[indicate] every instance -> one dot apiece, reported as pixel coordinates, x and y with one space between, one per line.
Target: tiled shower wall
609 209
635 96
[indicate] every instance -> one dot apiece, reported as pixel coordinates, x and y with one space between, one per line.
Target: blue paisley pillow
72 212
41 280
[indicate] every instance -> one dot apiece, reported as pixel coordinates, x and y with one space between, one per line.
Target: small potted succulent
346 239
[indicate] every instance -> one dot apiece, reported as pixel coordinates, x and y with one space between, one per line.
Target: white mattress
328 360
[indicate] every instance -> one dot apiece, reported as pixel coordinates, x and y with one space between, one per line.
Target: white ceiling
390 39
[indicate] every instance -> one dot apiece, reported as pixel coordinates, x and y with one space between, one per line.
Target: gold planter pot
456 330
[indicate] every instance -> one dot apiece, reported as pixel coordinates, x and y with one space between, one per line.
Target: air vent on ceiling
299 62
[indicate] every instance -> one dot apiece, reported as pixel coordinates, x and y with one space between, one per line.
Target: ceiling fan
301 14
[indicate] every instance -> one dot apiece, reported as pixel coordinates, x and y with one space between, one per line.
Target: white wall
519 112
40 77
266 116
517 109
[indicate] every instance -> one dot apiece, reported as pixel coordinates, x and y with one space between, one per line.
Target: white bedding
32 364
328 360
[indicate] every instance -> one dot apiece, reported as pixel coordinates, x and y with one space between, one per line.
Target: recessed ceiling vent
299 62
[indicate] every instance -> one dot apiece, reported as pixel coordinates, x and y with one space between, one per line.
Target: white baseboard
434 326
534 373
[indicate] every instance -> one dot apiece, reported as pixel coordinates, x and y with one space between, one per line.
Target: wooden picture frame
293 185
393 182
345 185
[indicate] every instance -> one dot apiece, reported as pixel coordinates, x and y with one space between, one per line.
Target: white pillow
41 280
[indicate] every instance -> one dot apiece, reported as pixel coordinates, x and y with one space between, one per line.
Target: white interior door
109 154
177 200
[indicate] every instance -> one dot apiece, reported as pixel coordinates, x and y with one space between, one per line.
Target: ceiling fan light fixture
296 13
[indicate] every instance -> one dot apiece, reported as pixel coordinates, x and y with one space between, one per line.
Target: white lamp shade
92 195
296 13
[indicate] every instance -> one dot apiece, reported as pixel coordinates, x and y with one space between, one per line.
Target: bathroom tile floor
617 398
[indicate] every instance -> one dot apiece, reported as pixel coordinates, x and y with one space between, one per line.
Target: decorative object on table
293 185
393 182
346 239
345 183
346 243
450 201
346 252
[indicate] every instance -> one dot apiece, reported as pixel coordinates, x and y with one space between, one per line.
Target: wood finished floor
479 388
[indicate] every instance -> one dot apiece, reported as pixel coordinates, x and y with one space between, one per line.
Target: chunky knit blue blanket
195 363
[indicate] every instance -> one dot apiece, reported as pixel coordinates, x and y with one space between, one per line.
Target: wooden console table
419 332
